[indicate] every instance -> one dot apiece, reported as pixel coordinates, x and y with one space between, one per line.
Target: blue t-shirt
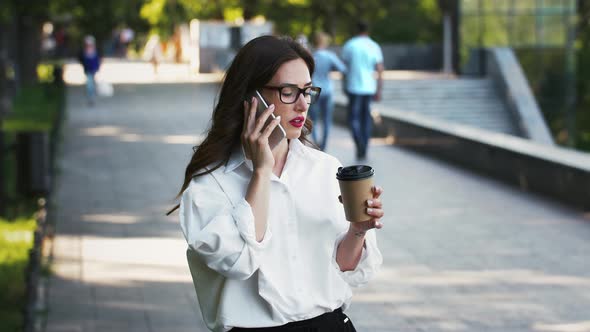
325 61
361 54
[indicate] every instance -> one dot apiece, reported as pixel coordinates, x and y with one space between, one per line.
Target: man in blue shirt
363 57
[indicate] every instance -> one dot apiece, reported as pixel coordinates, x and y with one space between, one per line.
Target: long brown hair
252 68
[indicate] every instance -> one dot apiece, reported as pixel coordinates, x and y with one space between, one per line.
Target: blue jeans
324 108
90 87
360 121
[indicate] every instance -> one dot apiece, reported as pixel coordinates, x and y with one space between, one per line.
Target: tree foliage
583 77
392 21
97 18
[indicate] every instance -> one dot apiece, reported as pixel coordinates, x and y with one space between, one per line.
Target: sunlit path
138 72
119 263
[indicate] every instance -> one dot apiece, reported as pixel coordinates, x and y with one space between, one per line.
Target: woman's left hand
374 210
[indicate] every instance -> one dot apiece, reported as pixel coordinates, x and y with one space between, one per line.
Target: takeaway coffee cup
355 187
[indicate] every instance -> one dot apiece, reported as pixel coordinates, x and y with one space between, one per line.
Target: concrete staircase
469 101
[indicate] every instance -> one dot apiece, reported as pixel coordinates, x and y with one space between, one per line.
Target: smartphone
278 134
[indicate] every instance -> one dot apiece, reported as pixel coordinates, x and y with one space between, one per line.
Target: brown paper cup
355 191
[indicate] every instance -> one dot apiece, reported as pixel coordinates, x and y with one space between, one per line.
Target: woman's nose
301 104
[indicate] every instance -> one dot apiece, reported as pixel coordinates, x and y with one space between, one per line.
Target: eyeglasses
289 93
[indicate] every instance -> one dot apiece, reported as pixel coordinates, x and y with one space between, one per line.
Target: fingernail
252 100
369 202
278 118
272 106
369 210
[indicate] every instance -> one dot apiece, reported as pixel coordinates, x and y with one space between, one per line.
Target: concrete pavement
461 252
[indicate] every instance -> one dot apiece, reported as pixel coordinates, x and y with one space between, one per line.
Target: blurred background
550 38
494 72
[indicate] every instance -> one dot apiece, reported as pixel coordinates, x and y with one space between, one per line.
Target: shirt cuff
368 264
242 214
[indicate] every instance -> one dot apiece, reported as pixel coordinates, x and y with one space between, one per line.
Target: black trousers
335 321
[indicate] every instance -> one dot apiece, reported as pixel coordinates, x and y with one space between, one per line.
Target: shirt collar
238 155
297 147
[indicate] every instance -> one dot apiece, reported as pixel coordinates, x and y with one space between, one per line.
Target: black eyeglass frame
300 92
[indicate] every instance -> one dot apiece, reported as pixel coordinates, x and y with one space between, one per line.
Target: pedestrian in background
302 39
153 52
325 62
363 57
90 61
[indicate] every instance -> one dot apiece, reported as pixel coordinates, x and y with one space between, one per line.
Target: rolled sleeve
368 265
244 219
222 235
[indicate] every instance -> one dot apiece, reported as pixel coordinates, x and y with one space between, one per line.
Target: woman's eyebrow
293 84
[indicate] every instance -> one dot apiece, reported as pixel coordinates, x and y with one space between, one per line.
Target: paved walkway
461 252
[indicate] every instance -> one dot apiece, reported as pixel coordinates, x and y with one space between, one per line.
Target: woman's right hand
255 135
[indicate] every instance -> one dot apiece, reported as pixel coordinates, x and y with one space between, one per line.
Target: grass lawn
16 238
35 108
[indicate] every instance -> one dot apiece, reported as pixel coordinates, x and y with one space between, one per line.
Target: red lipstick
297 122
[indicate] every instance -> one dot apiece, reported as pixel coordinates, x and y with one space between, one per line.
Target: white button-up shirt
292 273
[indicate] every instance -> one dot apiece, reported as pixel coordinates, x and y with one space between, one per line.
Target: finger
377 191
252 115
262 119
375 212
374 203
245 130
271 126
246 117
248 124
374 223
370 224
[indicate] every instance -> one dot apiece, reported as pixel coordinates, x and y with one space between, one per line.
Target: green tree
390 21
409 22
26 18
98 18
583 77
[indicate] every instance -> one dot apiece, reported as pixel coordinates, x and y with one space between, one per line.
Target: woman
268 242
325 61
